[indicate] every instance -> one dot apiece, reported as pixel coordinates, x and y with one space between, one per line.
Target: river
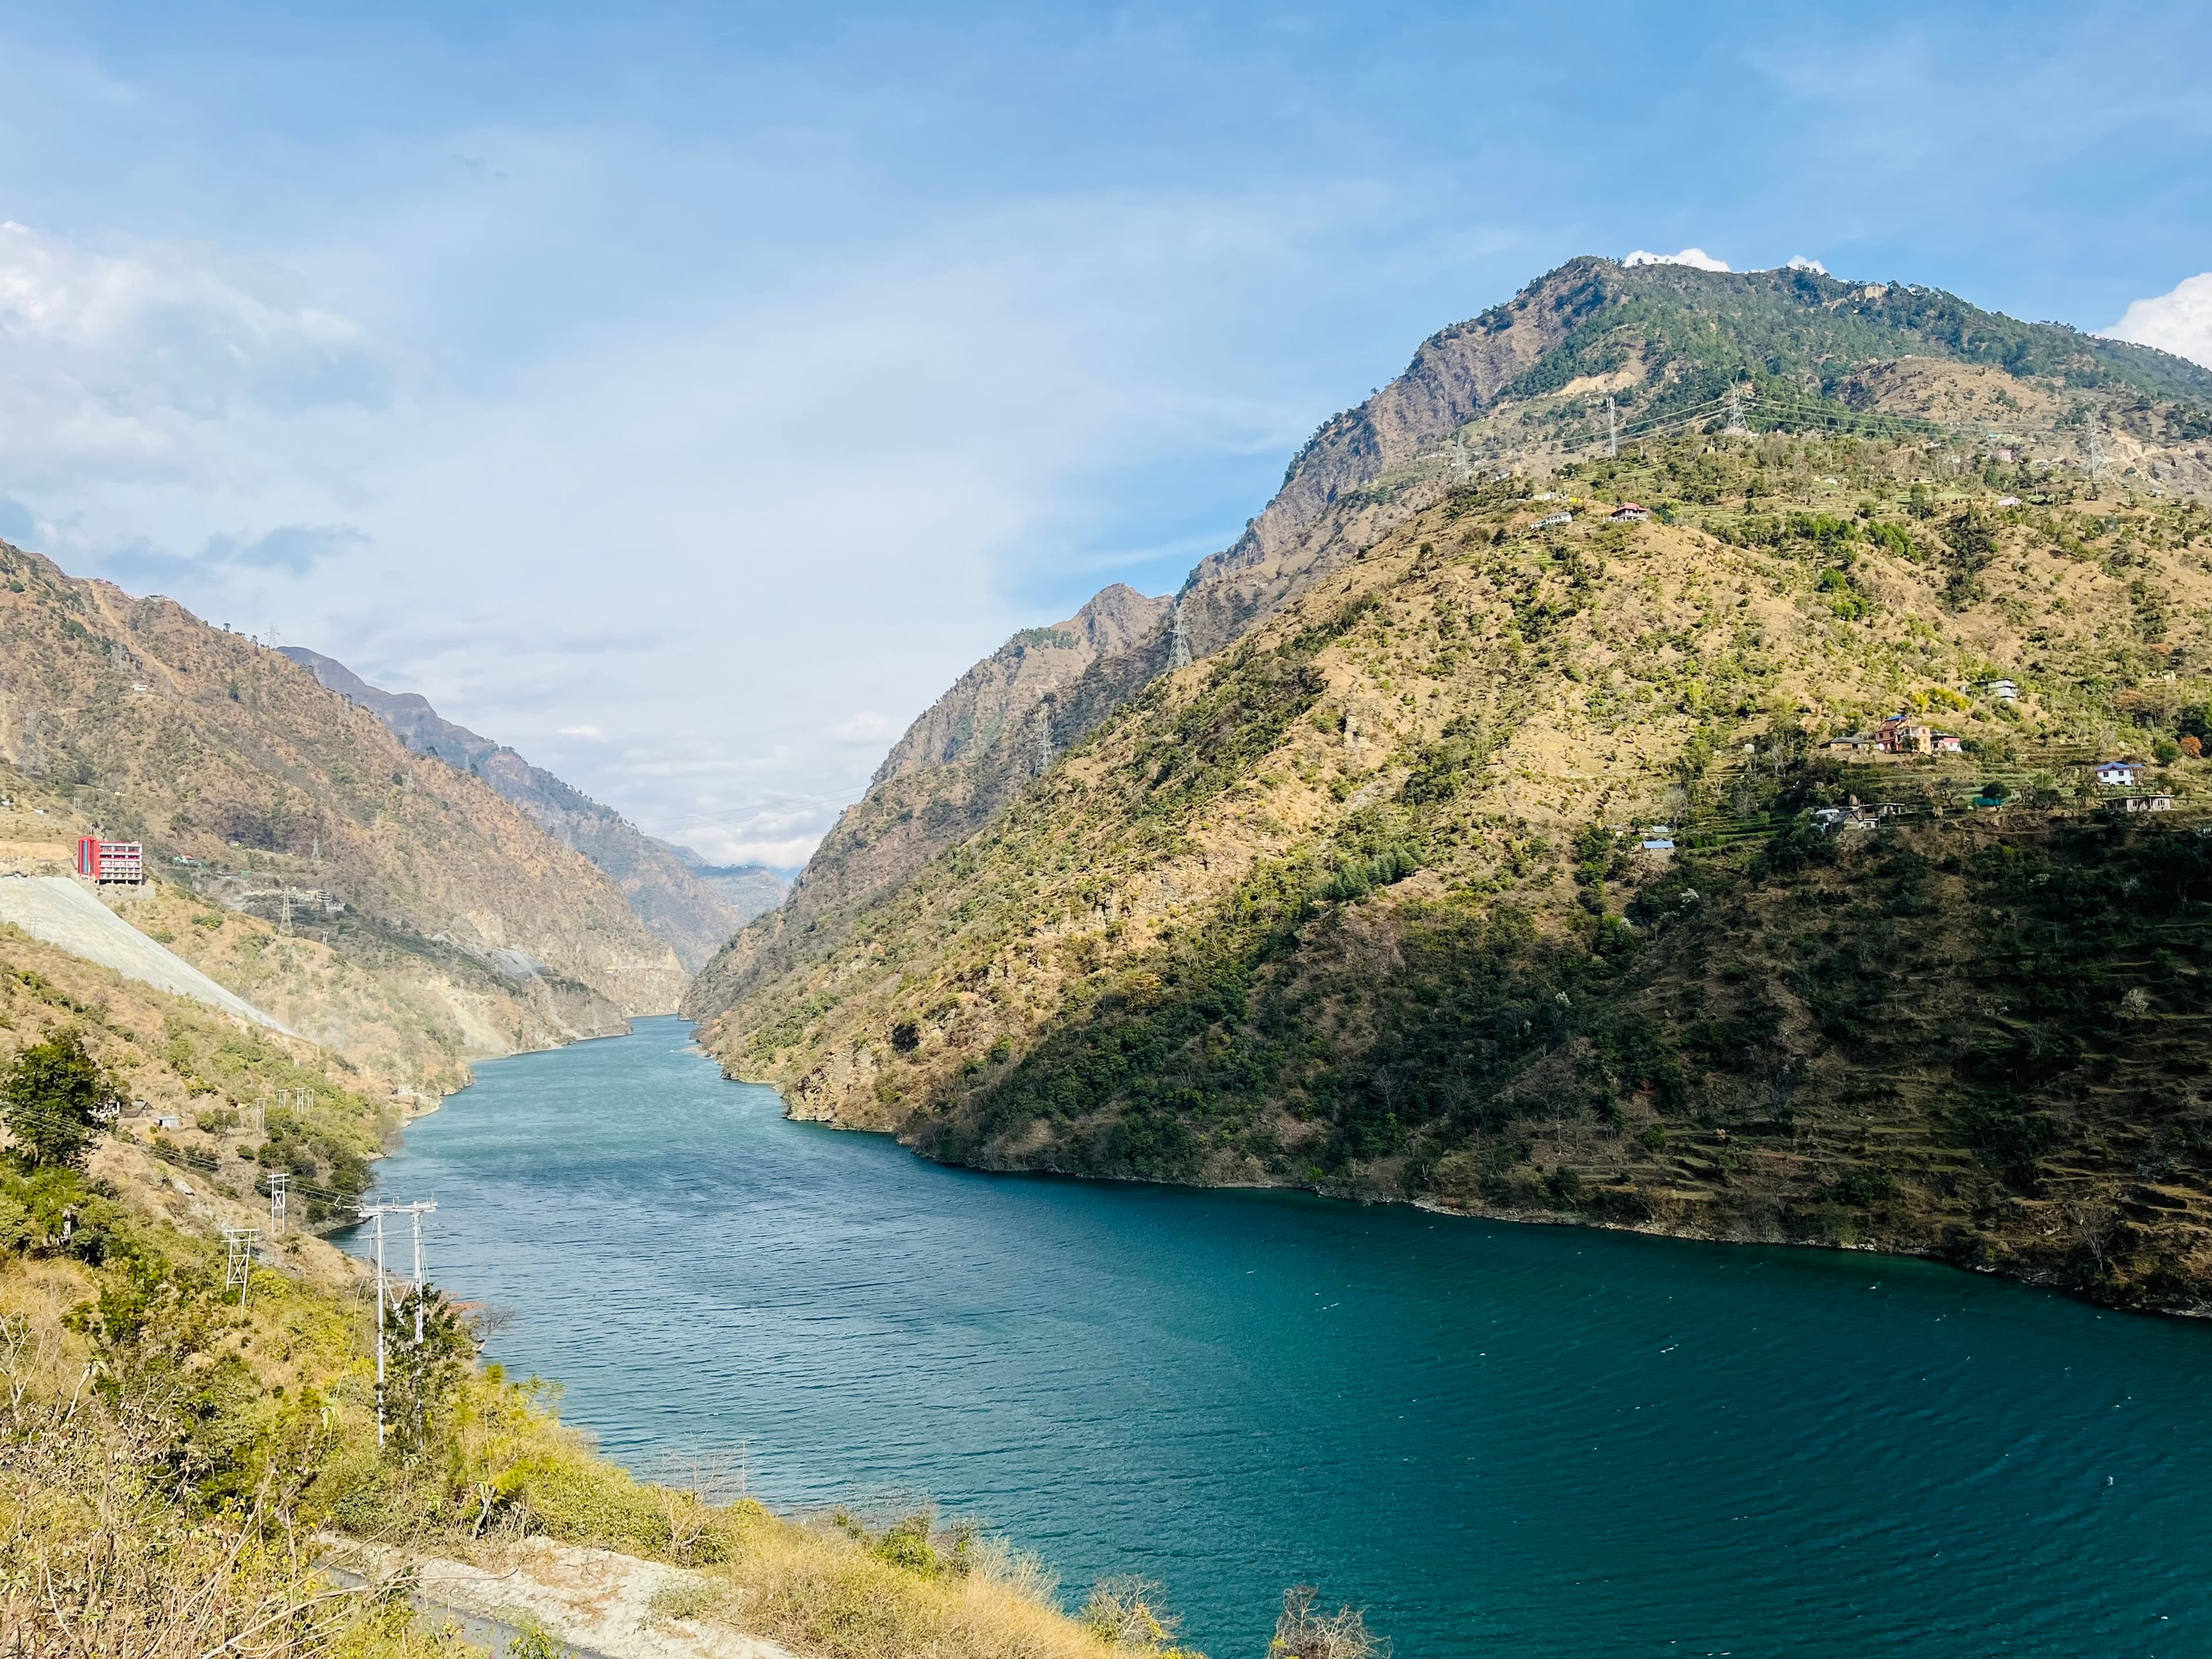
1498 1440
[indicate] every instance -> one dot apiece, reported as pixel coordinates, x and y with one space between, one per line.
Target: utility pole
376 1213
415 1214
2096 450
238 1260
277 1179
1612 429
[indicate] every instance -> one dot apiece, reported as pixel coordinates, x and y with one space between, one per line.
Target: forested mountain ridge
664 891
1524 386
427 909
1360 900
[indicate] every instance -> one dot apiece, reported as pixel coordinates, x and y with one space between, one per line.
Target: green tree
53 1094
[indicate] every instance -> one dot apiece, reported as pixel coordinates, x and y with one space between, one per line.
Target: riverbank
268 1411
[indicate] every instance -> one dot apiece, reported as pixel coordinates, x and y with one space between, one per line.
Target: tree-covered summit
1697 332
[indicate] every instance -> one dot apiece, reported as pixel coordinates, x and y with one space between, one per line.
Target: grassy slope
1338 907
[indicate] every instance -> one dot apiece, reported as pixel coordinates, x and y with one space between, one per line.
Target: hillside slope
1360 903
663 888
260 791
1523 385
976 747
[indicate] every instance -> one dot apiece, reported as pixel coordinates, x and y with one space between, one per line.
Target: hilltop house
1630 513
1947 744
2118 773
1551 518
2141 804
1900 734
2000 690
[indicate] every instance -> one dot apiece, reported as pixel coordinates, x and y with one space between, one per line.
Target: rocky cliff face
664 891
284 798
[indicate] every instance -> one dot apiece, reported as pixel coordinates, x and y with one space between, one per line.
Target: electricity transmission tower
376 1213
1612 429
2096 450
1179 644
1735 410
238 1260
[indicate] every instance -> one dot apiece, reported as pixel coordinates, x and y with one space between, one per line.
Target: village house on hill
1900 734
2125 773
1630 513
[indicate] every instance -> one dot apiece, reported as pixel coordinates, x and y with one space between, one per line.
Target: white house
2118 773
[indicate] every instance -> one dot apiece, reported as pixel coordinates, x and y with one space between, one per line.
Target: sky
686 394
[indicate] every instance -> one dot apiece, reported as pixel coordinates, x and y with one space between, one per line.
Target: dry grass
822 1591
98 1560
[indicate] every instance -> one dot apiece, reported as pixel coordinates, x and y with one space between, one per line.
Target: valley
1704 754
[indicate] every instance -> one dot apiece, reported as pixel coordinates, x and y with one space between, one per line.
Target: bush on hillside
54 1094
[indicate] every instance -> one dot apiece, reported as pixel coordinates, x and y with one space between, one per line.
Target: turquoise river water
1500 1440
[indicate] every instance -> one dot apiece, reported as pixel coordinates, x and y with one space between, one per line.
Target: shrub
53 1094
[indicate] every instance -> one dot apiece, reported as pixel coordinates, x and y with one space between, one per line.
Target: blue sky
686 394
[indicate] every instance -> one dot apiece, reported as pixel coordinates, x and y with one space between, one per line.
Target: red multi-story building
110 860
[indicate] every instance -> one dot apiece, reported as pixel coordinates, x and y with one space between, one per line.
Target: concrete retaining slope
56 910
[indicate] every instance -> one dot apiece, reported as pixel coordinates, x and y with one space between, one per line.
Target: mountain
425 919
665 886
1359 898
957 768
746 890
1523 384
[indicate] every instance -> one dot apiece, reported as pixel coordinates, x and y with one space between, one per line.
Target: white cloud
590 732
1689 256
2180 322
866 726
1799 262
129 365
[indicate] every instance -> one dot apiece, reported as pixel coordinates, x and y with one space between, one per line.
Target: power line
376 1213
238 1260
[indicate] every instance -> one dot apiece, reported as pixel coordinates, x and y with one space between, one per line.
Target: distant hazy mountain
677 894
749 890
